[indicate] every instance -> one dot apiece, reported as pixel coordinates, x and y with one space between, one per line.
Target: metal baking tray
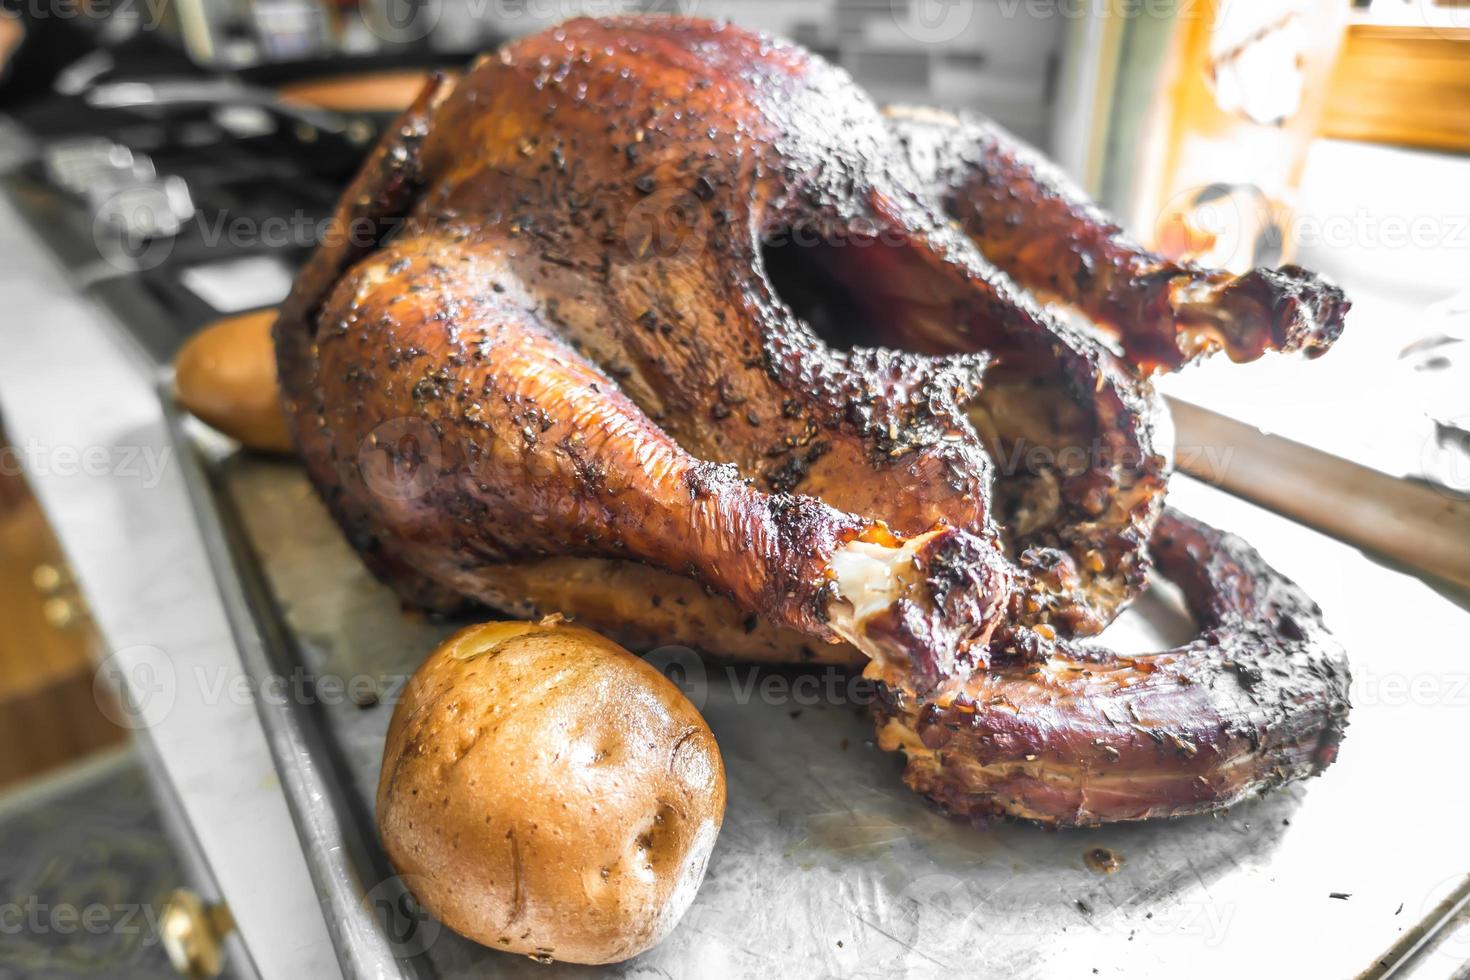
827 866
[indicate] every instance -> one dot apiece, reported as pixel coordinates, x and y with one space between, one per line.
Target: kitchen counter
80 405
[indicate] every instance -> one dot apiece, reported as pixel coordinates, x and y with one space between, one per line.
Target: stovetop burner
179 211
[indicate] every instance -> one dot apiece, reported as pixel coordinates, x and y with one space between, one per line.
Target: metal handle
193 933
1425 529
61 606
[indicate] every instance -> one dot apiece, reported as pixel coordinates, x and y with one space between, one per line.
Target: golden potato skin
226 375
546 792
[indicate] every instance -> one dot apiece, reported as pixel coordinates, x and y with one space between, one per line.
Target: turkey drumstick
1030 220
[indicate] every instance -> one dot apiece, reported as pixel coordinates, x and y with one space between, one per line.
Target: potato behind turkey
546 792
226 376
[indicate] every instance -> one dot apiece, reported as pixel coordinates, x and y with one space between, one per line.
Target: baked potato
546 792
226 376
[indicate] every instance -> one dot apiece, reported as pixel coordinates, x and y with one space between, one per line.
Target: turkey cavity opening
801 266
854 289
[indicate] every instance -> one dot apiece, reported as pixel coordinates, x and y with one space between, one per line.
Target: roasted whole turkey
664 325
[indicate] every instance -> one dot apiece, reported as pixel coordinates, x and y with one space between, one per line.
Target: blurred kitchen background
175 157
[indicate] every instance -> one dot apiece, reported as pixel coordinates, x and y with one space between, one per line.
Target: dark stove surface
248 188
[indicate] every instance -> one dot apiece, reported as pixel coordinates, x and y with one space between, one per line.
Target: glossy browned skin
564 349
1030 220
1082 736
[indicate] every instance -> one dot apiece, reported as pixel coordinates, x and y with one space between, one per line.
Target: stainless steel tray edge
333 847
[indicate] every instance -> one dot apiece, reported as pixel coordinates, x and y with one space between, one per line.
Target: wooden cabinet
49 713
1403 84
